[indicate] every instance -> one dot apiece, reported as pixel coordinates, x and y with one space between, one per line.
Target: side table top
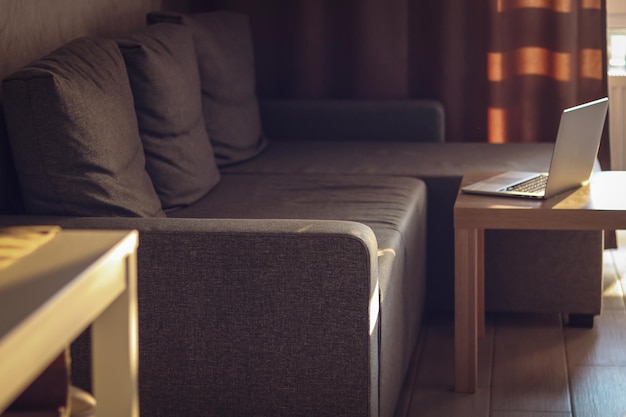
28 284
599 205
48 297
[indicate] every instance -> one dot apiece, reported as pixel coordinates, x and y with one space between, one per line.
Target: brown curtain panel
543 55
504 69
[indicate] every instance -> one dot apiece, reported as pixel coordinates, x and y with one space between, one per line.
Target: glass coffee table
600 205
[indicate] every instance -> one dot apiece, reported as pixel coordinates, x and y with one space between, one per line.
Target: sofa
289 249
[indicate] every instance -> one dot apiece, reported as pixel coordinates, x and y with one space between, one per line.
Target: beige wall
32 28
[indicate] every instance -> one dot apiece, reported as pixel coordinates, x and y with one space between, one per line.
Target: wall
31 28
616 13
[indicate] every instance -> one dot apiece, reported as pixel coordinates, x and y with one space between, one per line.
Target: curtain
543 55
503 69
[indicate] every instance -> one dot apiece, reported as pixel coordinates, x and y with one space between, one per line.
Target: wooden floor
530 365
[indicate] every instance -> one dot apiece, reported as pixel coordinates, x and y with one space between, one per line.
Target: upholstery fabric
74 137
163 73
290 341
560 285
395 209
353 120
227 74
377 201
441 166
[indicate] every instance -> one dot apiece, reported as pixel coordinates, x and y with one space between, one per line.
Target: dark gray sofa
297 282
565 274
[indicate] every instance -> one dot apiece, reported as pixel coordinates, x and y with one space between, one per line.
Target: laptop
573 158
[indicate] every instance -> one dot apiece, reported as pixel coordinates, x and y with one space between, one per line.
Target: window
616 43
616 37
617 51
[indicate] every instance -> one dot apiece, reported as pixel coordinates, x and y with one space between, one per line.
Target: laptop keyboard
533 185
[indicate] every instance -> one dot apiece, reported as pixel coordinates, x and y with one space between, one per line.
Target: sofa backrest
401 120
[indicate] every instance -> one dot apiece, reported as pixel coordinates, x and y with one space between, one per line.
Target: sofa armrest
252 317
353 120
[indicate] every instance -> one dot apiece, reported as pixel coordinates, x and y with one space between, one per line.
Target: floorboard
530 369
530 365
599 391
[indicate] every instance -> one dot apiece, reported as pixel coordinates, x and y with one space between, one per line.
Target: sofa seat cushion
378 201
163 72
395 209
74 137
423 160
440 165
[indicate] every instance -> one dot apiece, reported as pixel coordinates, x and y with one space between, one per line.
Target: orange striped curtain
543 55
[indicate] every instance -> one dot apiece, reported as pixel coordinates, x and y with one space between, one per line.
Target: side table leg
465 310
115 352
480 280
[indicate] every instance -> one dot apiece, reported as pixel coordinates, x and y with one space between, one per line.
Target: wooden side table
50 296
600 205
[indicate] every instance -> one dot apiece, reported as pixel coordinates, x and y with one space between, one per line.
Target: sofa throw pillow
163 72
73 134
226 63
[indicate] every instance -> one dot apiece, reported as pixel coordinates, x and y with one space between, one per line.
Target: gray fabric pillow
226 62
163 72
73 134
